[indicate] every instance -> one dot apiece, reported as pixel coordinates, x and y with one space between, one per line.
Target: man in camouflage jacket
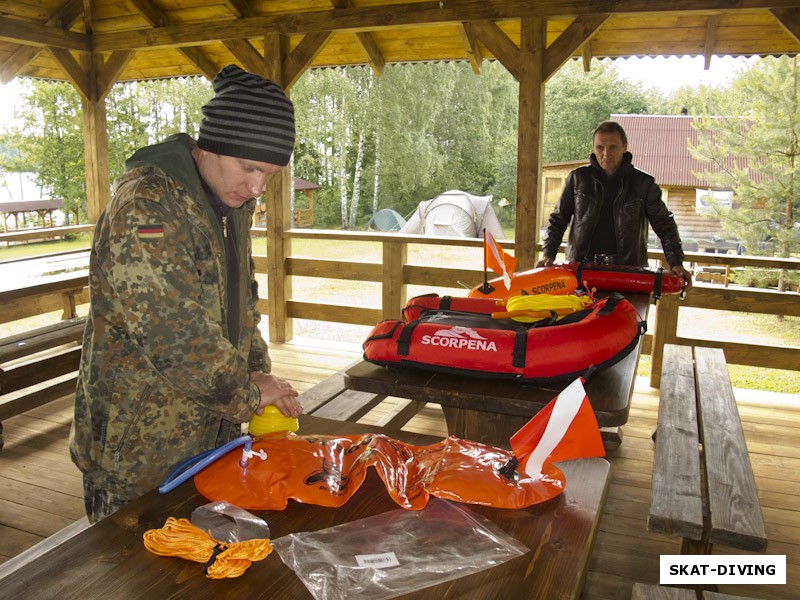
173 361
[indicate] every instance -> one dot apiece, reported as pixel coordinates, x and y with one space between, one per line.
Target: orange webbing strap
180 538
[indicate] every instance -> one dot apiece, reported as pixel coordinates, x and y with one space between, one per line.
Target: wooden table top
108 560
609 390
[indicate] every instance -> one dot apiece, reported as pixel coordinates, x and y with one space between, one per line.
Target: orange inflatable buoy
542 280
328 470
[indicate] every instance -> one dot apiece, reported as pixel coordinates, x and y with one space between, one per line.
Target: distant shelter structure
25 210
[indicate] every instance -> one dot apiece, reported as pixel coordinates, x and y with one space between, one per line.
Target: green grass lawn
76 241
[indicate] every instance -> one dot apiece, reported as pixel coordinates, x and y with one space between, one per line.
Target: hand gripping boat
459 335
567 277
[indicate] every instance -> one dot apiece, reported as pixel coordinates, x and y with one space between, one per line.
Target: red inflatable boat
464 338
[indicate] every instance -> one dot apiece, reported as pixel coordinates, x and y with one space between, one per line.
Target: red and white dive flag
565 429
497 260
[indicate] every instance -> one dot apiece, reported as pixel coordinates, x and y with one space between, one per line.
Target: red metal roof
659 147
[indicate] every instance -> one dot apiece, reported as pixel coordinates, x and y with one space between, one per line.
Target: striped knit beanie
248 117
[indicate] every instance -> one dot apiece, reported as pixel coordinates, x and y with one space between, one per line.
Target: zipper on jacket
126 434
599 183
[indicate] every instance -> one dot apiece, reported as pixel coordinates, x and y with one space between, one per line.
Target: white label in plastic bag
378 561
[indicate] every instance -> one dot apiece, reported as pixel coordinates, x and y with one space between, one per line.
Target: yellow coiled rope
180 538
528 309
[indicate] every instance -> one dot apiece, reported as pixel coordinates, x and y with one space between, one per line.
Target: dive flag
565 429
497 260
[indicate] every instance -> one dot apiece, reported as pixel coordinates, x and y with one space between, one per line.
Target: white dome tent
455 214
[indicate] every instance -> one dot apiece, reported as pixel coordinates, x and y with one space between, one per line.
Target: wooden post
279 212
533 38
666 331
95 139
393 296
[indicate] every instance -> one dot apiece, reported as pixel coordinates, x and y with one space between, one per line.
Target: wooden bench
703 488
39 366
330 399
643 591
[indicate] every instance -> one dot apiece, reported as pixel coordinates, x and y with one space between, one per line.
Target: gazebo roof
143 39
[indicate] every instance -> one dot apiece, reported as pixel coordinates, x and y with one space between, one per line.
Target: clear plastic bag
396 552
228 523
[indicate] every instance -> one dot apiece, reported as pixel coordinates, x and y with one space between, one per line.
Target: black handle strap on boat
658 284
520 347
410 306
383 336
404 339
611 304
579 274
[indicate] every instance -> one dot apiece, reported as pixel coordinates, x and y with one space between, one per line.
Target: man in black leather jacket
609 204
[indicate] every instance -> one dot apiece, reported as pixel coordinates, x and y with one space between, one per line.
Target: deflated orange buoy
542 280
328 470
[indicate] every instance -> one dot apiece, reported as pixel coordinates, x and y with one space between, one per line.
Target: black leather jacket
637 204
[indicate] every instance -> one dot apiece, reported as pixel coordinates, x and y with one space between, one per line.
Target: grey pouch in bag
228 523
396 552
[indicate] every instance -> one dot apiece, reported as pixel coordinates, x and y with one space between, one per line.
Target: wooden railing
394 274
62 292
42 233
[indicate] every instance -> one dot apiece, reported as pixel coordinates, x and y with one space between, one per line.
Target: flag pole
485 288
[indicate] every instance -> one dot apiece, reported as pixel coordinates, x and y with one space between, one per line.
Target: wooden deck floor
40 489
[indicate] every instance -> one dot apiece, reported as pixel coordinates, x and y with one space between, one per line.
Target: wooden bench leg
612 437
69 304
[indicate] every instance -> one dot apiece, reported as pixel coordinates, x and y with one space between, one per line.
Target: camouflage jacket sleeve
165 276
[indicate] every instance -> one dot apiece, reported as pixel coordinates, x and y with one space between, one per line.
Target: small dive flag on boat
497 260
565 429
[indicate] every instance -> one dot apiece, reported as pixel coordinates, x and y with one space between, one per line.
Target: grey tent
386 219
455 214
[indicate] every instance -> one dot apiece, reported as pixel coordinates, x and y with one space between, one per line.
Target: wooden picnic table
491 410
108 560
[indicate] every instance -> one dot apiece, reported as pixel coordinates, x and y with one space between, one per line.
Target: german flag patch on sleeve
150 232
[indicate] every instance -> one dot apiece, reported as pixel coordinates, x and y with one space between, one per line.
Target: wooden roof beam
64 18
35 34
499 44
158 18
246 54
711 39
365 40
73 70
305 52
240 8
369 18
107 73
576 36
471 45
374 55
789 18
586 56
